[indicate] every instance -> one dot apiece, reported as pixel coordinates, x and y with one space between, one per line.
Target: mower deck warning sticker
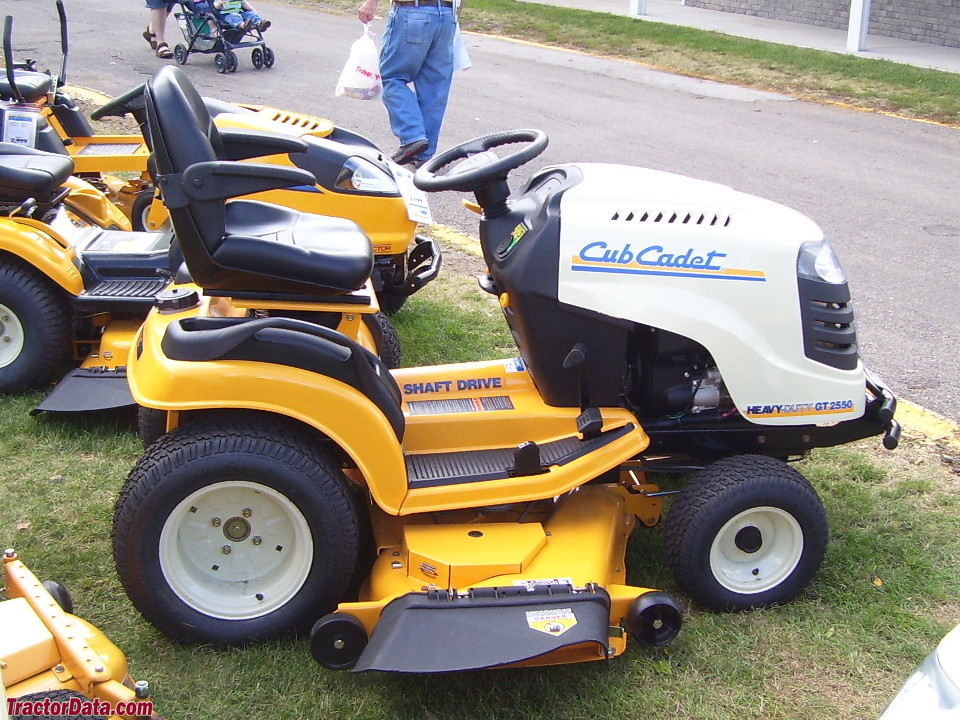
552 622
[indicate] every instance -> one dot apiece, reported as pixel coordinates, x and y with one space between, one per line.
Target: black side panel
524 246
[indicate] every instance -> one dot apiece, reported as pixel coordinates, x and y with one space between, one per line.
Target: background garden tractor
353 178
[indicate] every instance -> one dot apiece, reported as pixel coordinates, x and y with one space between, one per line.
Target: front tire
235 532
34 328
747 531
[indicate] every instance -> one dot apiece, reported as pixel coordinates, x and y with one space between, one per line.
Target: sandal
163 51
149 37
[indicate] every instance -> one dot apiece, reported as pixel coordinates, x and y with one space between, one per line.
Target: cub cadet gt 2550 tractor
663 323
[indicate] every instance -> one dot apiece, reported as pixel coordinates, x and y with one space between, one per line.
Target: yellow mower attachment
50 658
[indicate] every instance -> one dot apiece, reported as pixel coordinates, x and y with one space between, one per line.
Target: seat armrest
241 144
223 179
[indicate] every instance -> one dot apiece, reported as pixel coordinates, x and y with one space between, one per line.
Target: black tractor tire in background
235 532
151 424
35 330
63 698
747 531
390 343
390 302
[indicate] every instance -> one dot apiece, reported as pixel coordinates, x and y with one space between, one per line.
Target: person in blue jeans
417 49
156 28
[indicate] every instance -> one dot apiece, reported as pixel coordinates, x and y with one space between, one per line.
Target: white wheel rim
236 550
11 336
756 550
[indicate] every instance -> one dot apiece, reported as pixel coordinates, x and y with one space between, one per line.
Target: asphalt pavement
883 188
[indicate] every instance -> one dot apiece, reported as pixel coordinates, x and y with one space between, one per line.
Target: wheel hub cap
749 539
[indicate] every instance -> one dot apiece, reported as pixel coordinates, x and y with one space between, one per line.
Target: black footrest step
122 293
454 468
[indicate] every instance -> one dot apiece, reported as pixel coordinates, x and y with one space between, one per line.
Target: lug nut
216 522
226 549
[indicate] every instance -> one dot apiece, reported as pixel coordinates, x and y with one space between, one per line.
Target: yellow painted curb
930 426
88 94
456 238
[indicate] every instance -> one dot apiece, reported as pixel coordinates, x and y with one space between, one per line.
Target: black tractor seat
33 86
304 248
243 246
28 173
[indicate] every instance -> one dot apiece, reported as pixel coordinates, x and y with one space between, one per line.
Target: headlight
817 261
361 175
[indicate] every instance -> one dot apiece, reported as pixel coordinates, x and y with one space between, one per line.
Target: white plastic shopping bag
360 77
461 61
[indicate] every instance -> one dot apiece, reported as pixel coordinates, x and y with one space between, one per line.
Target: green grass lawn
887 591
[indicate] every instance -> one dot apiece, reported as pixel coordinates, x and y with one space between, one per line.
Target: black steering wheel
122 104
474 176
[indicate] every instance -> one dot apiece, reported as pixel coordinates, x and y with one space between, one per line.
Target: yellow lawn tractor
353 179
53 663
483 509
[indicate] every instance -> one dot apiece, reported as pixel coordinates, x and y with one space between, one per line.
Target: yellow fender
358 427
40 246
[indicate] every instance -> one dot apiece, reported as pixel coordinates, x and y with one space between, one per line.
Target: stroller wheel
256 57
220 60
232 60
268 57
180 54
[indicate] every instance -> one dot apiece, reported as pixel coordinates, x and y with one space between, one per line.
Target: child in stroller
222 26
240 15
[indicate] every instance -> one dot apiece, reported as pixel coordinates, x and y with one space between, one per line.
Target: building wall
936 22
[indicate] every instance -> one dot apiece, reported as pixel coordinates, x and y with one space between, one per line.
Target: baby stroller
205 31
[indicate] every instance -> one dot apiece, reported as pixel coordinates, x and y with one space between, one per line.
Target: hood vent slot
674 218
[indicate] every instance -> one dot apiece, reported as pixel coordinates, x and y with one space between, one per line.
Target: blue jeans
418 49
235 20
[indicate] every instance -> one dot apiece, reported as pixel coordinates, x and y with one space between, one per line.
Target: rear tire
747 531
235 532
34 327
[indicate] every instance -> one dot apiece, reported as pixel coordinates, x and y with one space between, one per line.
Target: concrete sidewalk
786 33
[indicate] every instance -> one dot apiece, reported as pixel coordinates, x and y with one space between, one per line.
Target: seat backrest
182 133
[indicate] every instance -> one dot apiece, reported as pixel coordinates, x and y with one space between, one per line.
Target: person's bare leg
158 23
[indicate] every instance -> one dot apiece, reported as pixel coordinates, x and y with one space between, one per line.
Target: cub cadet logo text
439 386
655 260
797 409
